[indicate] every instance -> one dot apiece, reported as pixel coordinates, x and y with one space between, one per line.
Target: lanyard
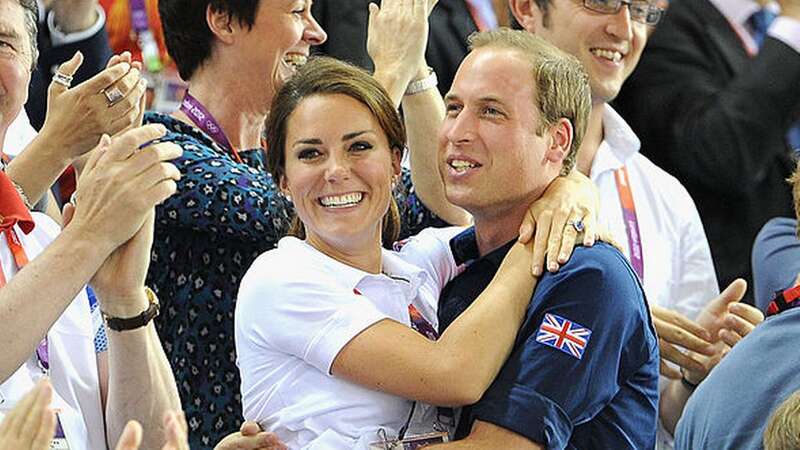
21 260
631 221
20 257
784 300
203 119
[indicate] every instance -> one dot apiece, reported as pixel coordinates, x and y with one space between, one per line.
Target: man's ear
527 14
221 24
561 136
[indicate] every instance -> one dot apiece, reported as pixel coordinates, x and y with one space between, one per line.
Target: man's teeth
461 165
341 201
610 55
295 59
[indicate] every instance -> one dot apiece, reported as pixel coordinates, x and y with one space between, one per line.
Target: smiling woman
235 55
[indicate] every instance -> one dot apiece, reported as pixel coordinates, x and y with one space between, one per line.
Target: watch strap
138 321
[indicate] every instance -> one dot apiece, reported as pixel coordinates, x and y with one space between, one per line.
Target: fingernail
562 258
552 267
126 67
537 270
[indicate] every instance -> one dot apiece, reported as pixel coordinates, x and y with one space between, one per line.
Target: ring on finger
62 79
113 95
576 224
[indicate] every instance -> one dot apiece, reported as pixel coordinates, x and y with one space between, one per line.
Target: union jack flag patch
563 334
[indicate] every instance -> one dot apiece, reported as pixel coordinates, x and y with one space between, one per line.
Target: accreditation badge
411 442
59 441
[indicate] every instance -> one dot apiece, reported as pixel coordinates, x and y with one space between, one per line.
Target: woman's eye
360 146
308 153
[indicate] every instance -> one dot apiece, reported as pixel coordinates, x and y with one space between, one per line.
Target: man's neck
592 140
232 107
495 230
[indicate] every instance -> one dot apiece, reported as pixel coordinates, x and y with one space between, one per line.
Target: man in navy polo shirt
584 370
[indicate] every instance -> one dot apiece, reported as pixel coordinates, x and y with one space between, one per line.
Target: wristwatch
132 323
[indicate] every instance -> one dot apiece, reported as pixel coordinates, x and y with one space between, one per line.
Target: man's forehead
492 73
12 17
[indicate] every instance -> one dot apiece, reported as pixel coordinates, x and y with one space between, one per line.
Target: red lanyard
631 221
20 257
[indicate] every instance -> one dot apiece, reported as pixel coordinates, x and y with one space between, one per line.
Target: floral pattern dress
207 235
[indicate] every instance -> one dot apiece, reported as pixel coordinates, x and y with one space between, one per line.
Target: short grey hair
32 27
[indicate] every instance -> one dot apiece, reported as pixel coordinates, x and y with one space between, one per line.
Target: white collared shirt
297 308
678 269
70 343
738 12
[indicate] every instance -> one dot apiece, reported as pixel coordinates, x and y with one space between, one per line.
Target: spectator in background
713 100
451 22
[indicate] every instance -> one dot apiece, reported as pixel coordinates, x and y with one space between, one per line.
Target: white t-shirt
297 308
73 364
678 269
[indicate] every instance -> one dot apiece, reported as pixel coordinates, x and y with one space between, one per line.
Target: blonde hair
562 85
783 428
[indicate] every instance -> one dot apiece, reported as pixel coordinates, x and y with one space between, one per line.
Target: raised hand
675 332
396 40
108 103
31 424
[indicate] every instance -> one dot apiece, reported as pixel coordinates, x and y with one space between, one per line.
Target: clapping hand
31 424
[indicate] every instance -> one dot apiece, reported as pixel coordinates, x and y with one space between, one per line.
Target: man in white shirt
714 101
648 211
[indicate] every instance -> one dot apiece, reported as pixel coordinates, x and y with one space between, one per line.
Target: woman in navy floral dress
228 209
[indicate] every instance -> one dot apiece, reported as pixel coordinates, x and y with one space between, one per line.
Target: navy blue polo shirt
583 373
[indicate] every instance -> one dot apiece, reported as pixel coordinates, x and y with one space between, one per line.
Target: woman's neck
235 110
367 258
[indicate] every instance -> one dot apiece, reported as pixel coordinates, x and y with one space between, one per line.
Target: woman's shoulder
181 133
291 261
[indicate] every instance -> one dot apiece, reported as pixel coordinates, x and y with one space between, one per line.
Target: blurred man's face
15 61
608 45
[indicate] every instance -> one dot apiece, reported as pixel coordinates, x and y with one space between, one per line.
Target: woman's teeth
341 201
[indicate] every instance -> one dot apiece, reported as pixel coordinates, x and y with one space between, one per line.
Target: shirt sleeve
308 317
218 195
696 280
542 392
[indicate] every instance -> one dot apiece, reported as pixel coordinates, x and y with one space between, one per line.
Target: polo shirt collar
619 144
394 267
12 210
465 249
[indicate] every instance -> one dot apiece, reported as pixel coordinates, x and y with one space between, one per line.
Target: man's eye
490 111
452 109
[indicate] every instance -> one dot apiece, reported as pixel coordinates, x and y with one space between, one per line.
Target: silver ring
62 79
113 95
576 224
